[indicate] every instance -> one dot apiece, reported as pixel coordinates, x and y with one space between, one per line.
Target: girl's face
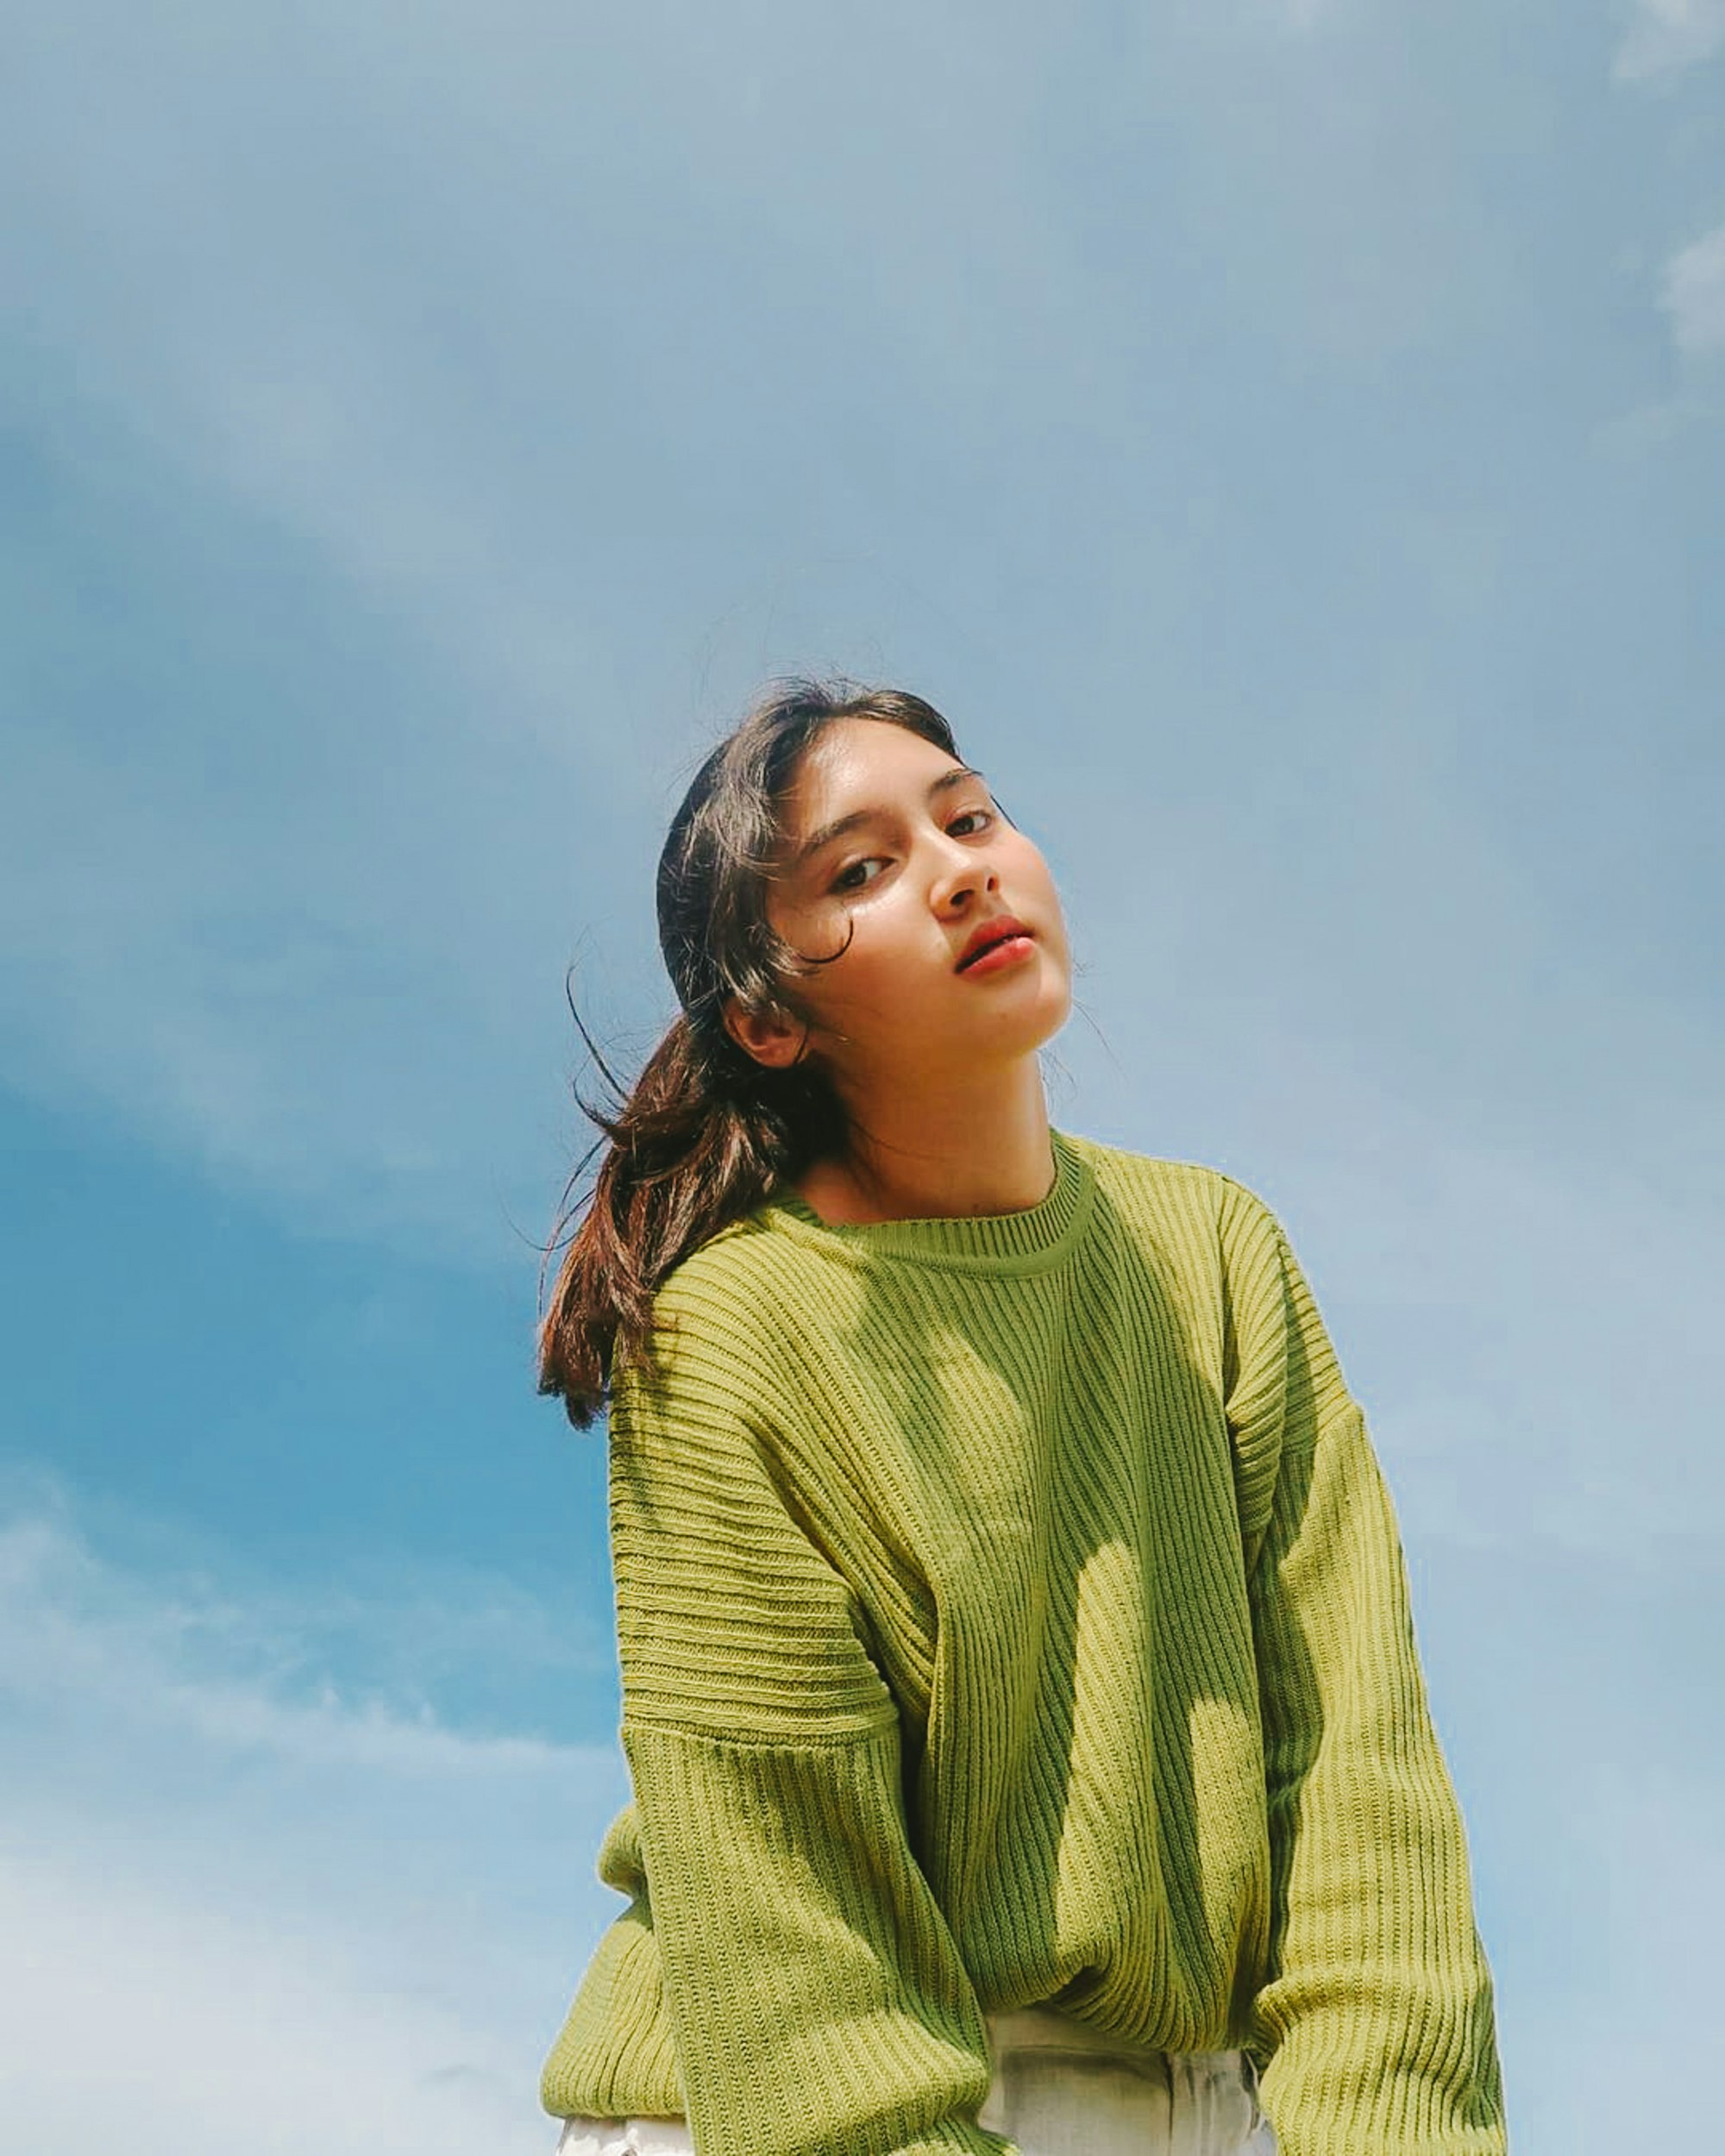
923 859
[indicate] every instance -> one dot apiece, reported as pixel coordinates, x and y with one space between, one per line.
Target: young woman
1027 1739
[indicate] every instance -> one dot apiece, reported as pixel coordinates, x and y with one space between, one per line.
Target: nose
967 871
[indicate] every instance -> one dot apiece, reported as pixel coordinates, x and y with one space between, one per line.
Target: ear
772 1038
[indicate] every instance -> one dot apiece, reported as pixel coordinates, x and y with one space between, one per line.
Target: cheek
870 971
896 947
898 956
1041 891
820 933
1036 879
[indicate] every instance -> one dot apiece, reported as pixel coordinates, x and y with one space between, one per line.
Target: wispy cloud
1668 37
179 1661
251 1896
439 373
1692 293
1529 1325
347 998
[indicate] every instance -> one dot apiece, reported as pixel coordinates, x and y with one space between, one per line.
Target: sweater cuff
818 2001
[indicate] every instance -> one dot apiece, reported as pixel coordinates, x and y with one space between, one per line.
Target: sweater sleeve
817 2000
1375 2019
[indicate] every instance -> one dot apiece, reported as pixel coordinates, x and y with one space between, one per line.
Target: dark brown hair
706 1132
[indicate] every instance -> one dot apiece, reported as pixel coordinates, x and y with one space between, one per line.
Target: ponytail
696 1145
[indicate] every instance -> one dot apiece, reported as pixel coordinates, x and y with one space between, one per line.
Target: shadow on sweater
1032 1484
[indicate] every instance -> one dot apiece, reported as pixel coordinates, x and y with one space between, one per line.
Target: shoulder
1214 1235
727 1269
727 1317
1185 1197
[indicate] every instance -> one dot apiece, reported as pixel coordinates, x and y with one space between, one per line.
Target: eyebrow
824 837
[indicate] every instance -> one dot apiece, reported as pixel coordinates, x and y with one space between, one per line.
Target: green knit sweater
1011 1612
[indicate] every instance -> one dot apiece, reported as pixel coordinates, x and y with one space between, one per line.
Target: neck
942 1152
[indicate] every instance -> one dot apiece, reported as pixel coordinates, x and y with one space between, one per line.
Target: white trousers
1060 2089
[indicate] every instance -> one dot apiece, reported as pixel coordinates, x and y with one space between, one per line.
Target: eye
846 878
966 817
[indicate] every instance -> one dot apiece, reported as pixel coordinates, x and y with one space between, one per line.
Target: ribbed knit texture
1011 1612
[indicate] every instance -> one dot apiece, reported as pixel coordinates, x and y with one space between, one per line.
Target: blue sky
1285 436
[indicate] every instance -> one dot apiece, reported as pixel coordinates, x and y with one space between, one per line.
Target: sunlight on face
891 843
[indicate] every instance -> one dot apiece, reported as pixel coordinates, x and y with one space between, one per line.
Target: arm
1376 2014
818 2003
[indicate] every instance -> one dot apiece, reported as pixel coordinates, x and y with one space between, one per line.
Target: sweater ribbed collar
1024 1242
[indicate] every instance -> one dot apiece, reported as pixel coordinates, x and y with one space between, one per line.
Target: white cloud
189 1665
1668 37
137 2020
253 1900
1693 294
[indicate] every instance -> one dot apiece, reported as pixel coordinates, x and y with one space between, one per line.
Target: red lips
986 932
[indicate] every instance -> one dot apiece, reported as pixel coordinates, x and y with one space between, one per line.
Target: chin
1036 1025
1047 1033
